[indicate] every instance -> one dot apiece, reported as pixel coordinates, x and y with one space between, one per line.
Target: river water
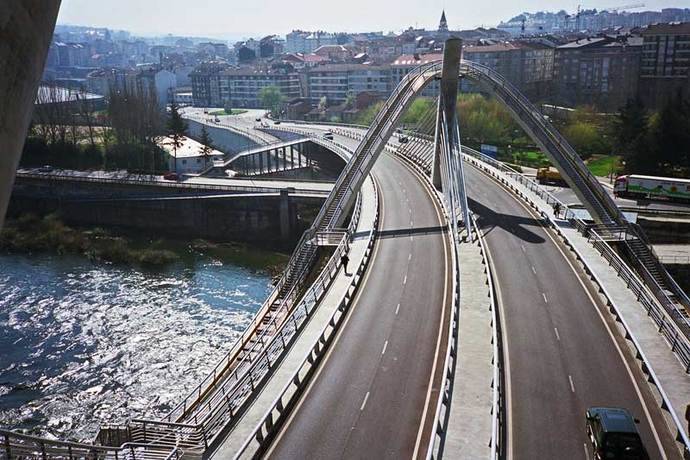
82 343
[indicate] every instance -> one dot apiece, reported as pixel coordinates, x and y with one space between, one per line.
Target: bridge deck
587 354
371 395
330 302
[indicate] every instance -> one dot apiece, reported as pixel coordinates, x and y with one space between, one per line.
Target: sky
236 19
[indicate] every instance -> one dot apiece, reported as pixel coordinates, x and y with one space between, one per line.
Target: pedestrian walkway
469 430
309 335
671 377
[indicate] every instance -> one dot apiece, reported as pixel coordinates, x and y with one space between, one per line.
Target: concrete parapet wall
272 220
223 139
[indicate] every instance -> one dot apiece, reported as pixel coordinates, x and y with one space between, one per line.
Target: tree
350 100
272 99
206 148
177 130
227 106
631 123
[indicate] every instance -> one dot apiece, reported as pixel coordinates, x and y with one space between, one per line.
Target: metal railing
162 183
21 446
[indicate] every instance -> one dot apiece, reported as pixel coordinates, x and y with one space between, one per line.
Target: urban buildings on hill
590 21
318 71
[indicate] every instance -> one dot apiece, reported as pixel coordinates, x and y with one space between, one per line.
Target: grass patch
49 234
603 165
531 158
219 113
244 255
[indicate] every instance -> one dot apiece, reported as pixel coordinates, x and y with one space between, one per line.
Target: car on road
217 120
45 168
403 139
328 135
257 119
276 122
171 176
613 434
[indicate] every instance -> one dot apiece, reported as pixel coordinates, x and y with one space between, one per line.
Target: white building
165 83
189 157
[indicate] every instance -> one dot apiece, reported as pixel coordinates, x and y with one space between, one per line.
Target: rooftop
667 28
190 148
417 59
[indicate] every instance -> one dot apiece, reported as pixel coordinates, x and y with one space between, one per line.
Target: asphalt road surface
561 357
372 393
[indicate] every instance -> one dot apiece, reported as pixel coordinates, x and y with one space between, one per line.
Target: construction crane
581 12
632 6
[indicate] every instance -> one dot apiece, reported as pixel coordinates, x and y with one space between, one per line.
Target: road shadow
411 231
517 225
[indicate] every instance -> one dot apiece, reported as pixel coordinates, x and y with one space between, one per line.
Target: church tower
443 25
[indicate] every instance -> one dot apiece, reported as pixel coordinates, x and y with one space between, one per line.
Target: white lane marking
613 339
409 257
572 386
405 280
534 270
558 337
544 295
385 345
523 247
397 309
364 403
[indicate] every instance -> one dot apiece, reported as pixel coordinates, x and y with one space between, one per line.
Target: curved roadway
561 356
379 382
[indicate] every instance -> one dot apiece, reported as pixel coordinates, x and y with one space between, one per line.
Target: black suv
613 434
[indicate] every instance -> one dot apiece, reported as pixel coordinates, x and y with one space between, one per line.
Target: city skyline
232 22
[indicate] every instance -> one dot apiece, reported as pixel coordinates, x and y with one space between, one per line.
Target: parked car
613 433
328 135
217 120
171 176
45 168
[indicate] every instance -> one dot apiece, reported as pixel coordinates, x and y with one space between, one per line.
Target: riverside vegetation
31 233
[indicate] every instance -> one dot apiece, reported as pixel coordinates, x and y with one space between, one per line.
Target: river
83 343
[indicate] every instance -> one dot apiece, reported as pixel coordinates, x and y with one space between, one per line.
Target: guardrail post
8 449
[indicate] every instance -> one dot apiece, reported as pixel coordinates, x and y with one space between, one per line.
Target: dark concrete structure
274 220
26 27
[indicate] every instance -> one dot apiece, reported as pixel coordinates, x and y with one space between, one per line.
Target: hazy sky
245 18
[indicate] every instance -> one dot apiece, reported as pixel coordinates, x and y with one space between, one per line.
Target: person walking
344 259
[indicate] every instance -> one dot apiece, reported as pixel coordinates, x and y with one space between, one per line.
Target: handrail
161 183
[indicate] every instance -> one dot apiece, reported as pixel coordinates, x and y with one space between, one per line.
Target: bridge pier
447 100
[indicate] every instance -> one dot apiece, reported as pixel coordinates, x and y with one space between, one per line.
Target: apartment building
336 82
665 62
599 71
242 87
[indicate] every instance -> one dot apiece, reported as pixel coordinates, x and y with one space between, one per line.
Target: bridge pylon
447 173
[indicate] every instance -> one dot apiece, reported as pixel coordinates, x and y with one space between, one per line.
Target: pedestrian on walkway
344 259
687 416
556 209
